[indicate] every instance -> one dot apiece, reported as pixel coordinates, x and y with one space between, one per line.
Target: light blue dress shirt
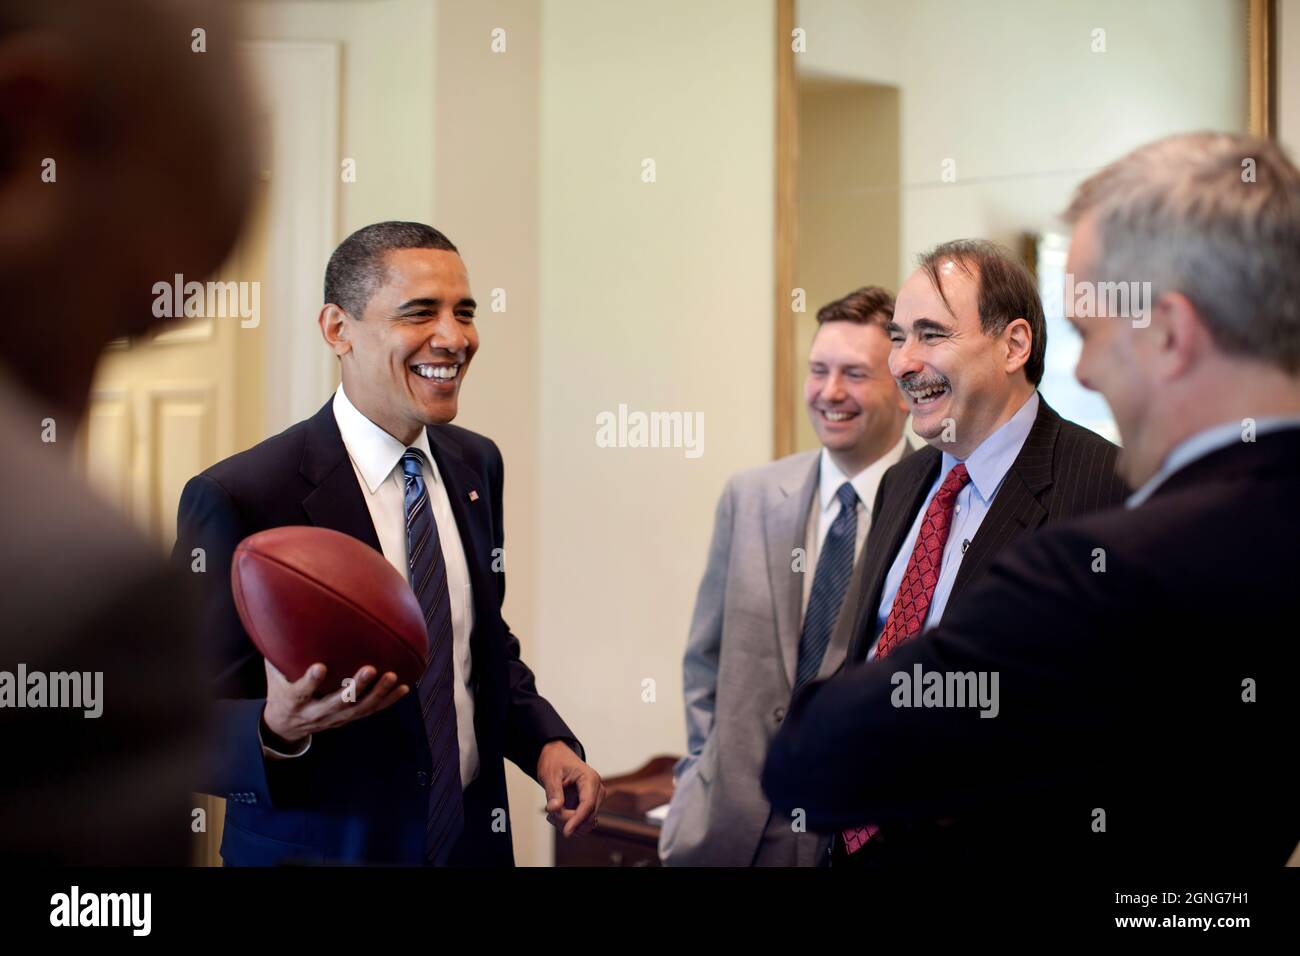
987 465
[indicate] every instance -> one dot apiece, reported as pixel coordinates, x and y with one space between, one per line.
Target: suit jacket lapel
785 526
336 502
1016 505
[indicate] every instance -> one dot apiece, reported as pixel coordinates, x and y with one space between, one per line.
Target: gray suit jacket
739 667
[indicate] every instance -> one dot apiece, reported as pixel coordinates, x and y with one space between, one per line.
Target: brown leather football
311 594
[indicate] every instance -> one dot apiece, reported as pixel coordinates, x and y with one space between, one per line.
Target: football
310 594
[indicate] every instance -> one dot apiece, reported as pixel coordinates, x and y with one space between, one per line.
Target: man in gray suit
785 540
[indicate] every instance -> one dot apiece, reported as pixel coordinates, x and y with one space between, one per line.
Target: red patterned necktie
912 602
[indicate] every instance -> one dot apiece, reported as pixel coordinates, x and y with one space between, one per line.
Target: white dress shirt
377 462
826 506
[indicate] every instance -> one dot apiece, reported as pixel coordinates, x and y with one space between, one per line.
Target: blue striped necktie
446 813
830 582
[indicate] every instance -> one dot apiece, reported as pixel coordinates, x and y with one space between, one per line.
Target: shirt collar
864 482
1201 444
375 452
988 464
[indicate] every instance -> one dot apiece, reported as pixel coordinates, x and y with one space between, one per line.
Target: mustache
918 381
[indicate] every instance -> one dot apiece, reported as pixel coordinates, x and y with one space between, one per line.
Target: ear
335 329
1019 339
1177 336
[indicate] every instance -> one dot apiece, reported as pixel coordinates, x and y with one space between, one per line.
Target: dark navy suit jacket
359 794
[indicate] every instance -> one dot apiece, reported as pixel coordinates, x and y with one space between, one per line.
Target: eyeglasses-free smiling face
852 401
948 367
404 361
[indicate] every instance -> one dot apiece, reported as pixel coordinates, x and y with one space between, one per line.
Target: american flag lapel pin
473 495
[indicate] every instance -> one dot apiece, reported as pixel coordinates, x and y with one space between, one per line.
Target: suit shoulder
1089 462
790 468
252 465
478 452
1073 435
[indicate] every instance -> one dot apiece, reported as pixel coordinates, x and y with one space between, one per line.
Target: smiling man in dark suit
968 339
1145 664
398 774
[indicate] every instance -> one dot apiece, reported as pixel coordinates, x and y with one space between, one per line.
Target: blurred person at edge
99 199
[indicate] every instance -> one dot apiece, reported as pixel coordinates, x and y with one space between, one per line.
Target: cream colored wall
656 295
1012 92
387 98
848 205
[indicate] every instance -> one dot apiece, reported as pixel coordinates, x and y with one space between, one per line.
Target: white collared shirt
826 506
376 458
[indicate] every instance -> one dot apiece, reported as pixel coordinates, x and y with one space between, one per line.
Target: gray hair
1216 217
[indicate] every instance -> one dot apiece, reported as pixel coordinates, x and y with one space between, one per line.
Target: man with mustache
968 338
1147 712
784 545
391 773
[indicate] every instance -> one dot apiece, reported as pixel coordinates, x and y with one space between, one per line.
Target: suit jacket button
779 714
421 779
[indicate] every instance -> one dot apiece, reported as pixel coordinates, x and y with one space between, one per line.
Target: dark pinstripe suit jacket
1062 470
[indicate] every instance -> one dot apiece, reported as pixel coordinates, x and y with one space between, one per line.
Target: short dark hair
1007 291
870 305
356 267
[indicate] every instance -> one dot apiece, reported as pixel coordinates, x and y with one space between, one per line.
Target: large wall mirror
904 123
